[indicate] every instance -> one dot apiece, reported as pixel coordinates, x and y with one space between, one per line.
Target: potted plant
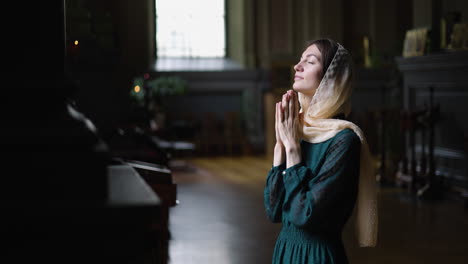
151 94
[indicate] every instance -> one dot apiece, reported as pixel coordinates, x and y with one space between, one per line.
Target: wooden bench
118 229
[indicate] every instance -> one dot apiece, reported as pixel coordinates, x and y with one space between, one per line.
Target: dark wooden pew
127 227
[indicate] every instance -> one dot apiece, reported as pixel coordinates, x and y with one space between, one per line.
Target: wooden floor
220 219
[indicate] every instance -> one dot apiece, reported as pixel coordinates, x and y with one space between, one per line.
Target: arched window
190 29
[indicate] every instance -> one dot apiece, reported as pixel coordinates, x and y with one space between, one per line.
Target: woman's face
308 71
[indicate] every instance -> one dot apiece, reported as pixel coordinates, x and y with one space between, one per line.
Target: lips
296 77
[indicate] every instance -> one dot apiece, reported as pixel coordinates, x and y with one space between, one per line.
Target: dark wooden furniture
127 227
159 178
438 84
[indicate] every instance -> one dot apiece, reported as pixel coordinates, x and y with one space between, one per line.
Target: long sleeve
273 194
327 194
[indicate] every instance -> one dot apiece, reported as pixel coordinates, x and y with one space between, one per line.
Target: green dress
314 199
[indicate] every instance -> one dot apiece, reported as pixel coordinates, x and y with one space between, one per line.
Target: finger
284 100
277 112
286 110
276 121
280 112
291 108
292 105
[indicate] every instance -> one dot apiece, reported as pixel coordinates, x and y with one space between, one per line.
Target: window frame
226 43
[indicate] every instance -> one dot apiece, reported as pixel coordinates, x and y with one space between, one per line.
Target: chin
305 91
297 88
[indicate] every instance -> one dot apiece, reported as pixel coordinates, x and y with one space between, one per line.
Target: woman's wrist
279 155
292 147
293 155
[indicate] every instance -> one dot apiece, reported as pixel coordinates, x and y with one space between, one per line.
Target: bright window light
190 29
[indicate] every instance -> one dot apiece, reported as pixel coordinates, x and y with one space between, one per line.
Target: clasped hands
288 129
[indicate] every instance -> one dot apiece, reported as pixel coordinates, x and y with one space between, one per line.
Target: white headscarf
333 97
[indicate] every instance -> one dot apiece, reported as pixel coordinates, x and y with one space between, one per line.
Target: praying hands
288 129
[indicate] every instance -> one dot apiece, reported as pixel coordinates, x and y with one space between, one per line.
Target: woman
321 163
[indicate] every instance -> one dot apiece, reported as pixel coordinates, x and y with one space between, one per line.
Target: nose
298 67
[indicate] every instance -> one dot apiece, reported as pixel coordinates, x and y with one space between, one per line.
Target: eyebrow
312 55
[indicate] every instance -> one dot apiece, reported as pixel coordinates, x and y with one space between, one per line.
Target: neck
306 101
308 97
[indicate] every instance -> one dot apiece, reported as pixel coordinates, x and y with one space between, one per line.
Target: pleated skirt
299 246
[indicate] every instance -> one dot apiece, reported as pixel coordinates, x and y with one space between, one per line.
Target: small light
76 42
146 76
137 89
